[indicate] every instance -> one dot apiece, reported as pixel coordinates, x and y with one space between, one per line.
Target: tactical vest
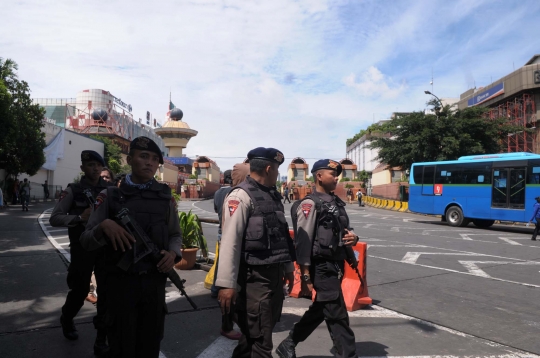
266 237
80 204
327 243
150 209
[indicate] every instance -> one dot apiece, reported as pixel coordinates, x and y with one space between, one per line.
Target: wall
388 191
170 173
69 167
381 178
362 156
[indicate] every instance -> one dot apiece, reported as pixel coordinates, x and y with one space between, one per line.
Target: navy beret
327 164
270 154
145 143
88 155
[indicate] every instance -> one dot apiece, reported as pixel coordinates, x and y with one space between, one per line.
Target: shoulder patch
233 205
62 195
99 200
306 209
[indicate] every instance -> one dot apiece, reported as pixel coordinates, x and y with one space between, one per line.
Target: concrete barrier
387 204
405 207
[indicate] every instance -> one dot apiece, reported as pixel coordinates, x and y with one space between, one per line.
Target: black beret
327 164
227 174
88 155
270 154
145 143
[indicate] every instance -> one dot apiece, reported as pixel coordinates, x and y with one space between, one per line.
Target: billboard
486 95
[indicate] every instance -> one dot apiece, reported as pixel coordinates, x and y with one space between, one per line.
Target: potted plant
192 240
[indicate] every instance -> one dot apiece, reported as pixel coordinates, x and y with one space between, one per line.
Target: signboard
486 95
180 160
119 102
537 77
437 189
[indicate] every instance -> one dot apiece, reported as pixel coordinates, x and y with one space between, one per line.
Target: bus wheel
483 222
454 217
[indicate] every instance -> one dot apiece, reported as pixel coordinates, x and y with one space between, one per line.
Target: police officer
321 259
73 210
255 255
136 299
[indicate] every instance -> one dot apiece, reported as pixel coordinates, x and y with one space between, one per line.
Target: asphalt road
438 291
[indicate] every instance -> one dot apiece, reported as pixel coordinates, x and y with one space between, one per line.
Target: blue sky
301 76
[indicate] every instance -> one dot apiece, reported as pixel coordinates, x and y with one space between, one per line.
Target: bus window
418 171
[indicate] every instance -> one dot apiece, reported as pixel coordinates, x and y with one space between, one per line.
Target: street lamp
438 99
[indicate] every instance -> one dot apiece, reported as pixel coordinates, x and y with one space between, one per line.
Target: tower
175 133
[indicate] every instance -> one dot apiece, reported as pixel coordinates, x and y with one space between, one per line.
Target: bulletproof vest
332 219
266 237
80 203
150 209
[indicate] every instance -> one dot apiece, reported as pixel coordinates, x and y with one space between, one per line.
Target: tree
448 135
363 176
113 154
21 139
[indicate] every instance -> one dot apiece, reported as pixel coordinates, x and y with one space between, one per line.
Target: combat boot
68 328
100 345
286 348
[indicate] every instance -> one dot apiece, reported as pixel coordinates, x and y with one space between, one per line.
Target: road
437 291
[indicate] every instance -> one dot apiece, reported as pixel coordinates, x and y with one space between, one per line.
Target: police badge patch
233 205
332 164
306 209
62 195
279 157
142 142
99 200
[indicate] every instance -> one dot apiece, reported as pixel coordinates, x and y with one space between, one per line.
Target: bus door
508 188
428 180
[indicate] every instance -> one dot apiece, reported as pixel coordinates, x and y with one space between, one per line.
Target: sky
300 76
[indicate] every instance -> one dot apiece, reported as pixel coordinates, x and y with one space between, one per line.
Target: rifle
350 256
145 246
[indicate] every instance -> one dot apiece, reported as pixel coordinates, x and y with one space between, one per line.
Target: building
349 169
98 112
298 169
206 168
515 97
360 153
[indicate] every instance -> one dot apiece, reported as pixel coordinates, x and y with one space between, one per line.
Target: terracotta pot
189 256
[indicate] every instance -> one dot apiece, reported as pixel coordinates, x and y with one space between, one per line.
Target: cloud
301 76
373 83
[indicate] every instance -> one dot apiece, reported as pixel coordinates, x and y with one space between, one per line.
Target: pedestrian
256 254
107 175
291 193
286 195
535 216
359 197
349 195
72 211
227 320
45 190
15 199
321 267
24 192
136 305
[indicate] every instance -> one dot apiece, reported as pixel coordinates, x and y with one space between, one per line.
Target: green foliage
176 196
113 154
293 179
192 176
420 137
310 179
21 139
349 186
374 128
126 169
344 179
278 184
192 234
363 176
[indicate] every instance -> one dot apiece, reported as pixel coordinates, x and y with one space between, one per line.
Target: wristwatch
306 278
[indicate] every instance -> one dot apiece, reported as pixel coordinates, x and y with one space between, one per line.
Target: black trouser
329 306
286 197
536 229
78 279
135 315
47 194
359 201
258 309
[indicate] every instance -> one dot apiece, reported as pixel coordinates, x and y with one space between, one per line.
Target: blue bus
477 188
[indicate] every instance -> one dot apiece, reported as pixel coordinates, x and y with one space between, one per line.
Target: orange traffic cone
355 291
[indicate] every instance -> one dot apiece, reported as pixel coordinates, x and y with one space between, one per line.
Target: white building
360 153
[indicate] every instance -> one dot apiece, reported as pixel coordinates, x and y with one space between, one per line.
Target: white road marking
465 237
412 257
223 347
51 238
456 271
510 241
472 266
